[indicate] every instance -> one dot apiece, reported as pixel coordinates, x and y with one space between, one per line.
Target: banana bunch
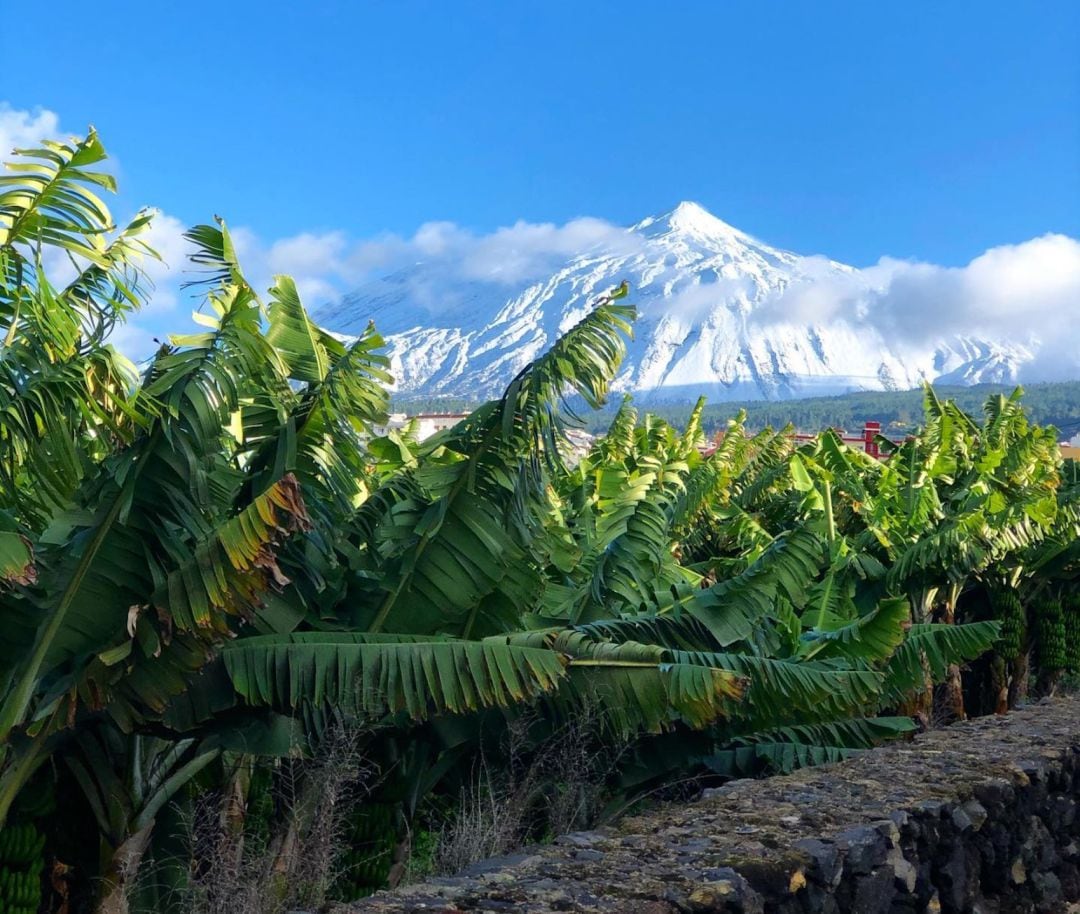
20 844
371 839
260 811
1050 634
20 891
1008 608
1072 633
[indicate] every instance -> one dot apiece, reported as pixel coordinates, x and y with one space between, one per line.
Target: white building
580 443
427 424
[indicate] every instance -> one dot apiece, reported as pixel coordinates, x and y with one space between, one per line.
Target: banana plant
219 550
122 583
64 392
127 780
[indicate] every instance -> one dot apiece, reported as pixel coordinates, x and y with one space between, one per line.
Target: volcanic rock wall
980 817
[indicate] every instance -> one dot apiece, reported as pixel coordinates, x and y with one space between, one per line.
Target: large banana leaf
456 549
873 636
377 675
786 748
638 686
781 690
731 609
930 648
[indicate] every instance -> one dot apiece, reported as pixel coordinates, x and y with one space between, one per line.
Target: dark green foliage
934 647
787 748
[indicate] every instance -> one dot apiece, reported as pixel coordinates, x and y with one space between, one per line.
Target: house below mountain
427 424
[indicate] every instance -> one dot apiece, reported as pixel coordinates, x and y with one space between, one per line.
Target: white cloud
527 251
21 129
1027 293
1008 289
307 253
165 236
695 302
509 255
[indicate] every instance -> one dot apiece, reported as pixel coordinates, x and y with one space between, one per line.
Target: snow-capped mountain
713 303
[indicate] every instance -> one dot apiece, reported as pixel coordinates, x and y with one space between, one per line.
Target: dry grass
295 865
531 795
488 822
524 793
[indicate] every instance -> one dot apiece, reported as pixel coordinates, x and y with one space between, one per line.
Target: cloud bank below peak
1026 293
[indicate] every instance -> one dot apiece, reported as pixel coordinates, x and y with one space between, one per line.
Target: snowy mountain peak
715 309
690 218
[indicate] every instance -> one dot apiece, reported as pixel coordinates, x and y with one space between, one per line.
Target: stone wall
980 817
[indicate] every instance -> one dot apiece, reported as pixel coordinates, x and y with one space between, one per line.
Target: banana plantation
224 599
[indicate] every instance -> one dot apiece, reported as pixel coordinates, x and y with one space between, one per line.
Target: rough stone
874 893
826 867
863 848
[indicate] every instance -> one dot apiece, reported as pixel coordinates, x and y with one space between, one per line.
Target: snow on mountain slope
715 319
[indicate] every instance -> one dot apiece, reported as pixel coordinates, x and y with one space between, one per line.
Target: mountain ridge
714 305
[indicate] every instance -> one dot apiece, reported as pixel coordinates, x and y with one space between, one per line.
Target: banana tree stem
15 777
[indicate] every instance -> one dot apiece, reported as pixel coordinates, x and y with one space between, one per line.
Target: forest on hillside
899 412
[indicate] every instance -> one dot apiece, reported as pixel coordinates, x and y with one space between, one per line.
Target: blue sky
852 129
858 130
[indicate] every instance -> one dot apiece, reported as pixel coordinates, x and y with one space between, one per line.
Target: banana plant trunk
953 688
1018 686
920 703
120 871
233 820
999 678
399 861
